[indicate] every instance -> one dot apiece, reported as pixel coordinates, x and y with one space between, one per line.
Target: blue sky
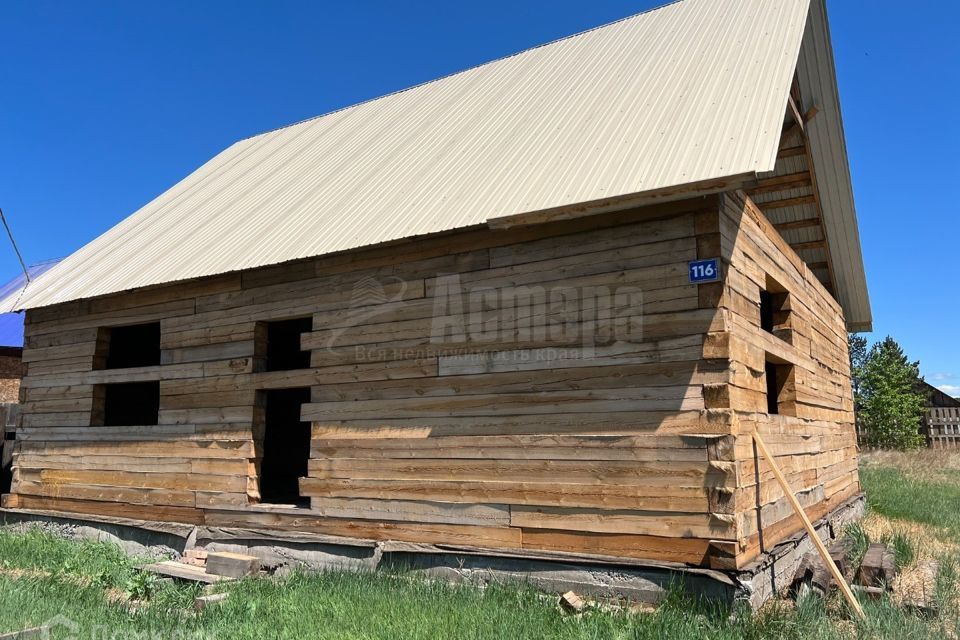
106 104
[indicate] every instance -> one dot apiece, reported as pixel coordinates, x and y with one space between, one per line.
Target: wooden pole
817 542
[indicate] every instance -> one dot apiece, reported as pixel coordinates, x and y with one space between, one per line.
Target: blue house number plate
704 270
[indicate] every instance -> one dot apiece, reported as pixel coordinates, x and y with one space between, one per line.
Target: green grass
353 606
861 541
897 495
903 549
42 576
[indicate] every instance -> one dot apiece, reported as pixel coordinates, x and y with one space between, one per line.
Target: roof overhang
816 75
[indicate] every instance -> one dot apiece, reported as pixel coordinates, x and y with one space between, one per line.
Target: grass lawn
923 488
914 502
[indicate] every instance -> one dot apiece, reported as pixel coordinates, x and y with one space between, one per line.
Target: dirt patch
20 574
928 542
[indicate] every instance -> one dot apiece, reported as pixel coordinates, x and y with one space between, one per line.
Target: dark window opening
773 405
283 351
766 311
133 346
780 388
127 404
286 447
6 462
775 309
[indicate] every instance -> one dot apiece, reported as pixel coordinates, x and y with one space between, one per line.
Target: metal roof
11 324
690 92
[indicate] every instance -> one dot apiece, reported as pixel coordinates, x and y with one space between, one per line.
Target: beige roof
684 94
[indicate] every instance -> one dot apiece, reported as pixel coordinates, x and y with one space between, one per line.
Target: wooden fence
941 427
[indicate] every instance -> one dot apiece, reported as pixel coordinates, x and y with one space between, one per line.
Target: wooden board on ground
232 565
180 571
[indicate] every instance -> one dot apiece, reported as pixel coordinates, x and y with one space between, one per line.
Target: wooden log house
482 312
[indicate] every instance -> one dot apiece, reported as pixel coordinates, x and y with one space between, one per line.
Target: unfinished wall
568 390
805 345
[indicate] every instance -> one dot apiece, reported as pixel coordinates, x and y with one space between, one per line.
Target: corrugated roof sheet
11 324
692 91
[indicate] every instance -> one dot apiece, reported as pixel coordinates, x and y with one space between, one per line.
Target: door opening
286 447
6 459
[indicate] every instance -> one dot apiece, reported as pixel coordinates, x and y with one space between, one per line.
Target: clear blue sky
104 105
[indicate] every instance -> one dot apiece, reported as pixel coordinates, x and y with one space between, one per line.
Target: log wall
813 437
559 387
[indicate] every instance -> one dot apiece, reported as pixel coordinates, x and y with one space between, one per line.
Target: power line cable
23 264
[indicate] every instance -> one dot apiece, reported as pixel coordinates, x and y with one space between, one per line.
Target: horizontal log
691 551
113 376
59 366
239 332
207 352
625 422
602 240
113 509
519 447
114 318
689 474
598 496
682 349
678 398
172 481
163 497
186 449
412 511
430 533
150 433
243 414
555 379
84 349
668 524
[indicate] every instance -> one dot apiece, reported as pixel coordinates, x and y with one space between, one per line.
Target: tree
890 404
858 358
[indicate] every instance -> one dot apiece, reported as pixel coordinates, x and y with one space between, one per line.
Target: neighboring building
941 422
11 335
484 312
11 369
937 398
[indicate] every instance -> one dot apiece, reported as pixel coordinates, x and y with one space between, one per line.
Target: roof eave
816 75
